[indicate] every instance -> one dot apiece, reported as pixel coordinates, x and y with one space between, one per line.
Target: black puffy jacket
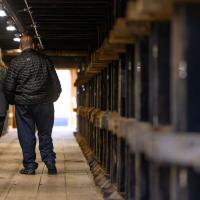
32 79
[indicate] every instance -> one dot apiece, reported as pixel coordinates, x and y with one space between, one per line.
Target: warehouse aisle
73 181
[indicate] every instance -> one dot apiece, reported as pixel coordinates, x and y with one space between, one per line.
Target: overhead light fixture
2 11
10 26
17 38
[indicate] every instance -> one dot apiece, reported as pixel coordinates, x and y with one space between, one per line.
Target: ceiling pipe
34 25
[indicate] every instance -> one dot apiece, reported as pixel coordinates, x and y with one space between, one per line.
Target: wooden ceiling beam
71 2
15 52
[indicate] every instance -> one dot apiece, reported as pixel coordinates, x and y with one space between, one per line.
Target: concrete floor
73 182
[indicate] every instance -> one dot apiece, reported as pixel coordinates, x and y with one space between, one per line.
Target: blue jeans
29 117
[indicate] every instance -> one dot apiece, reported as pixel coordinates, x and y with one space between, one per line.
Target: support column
185 77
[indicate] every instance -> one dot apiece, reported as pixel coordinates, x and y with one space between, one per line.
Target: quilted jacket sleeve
55 83
11 82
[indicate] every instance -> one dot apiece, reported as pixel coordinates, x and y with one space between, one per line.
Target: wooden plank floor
73 182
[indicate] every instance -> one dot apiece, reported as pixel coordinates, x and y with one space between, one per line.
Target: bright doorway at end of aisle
64 116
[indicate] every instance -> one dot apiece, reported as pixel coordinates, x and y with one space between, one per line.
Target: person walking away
3 101
32 85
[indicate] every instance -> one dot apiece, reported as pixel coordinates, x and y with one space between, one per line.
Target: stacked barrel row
138 99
